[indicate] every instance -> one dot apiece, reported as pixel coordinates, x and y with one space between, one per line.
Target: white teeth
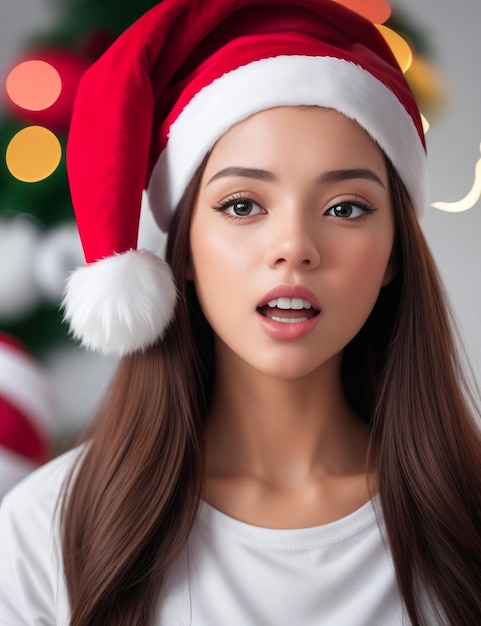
284 303
289 303
297 303
288 320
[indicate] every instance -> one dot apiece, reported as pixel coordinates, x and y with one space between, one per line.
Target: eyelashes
239 207
242 207
350 210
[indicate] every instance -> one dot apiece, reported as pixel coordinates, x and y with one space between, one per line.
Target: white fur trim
25 385
288 81
120 304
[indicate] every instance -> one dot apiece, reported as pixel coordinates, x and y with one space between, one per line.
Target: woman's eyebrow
334 176
245 172
331 176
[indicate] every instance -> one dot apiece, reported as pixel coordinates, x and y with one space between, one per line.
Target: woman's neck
285 441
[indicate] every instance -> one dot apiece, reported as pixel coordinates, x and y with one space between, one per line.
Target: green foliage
78 17
40 330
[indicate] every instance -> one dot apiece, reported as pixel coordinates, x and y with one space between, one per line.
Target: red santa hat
153 106
27 408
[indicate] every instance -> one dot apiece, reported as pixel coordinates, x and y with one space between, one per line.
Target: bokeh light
34 85
33 154
425 124
426 83
469 200
377 11
399 46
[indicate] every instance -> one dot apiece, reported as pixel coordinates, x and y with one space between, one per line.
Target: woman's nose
293 243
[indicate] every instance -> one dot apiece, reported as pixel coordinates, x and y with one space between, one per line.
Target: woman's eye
241 207
349 210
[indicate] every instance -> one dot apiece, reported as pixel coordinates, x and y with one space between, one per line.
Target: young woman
288 439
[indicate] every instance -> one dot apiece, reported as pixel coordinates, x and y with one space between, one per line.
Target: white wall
20 19
453 28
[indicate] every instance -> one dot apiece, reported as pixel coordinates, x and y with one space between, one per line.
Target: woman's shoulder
41 489
30 553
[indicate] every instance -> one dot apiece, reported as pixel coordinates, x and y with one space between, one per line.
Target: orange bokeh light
376 11
34 85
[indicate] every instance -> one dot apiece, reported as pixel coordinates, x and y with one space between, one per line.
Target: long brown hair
425 442
133 497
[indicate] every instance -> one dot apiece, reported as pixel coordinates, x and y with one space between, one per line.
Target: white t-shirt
229 574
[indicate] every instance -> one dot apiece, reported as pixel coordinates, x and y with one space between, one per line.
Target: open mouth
288 310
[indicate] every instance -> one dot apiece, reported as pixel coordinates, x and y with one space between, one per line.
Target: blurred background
38 240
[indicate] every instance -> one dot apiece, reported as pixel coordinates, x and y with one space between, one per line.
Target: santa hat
27 408
152 107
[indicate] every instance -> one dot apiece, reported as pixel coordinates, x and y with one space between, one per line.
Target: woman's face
290 239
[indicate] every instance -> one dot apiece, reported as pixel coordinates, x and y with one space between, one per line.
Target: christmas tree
38 240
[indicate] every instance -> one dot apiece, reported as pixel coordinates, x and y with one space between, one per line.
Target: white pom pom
120 304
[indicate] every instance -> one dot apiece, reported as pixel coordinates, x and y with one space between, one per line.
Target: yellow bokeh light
469 200
33 154
425 124
399 46
425 82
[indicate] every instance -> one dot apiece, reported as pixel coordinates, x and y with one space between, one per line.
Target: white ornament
19 293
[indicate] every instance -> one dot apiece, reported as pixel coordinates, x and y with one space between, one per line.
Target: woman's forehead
281 138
